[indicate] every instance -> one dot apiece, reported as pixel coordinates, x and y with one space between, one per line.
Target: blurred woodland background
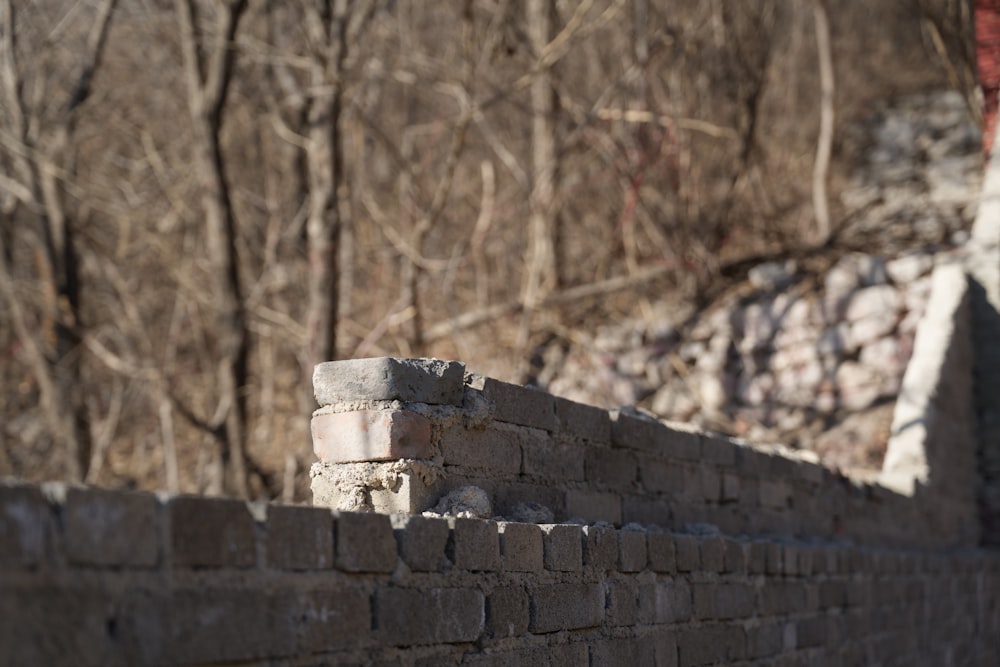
201 199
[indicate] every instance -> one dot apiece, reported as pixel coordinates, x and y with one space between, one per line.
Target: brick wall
105 578
394 435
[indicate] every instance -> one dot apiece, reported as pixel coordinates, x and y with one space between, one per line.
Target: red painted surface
988 63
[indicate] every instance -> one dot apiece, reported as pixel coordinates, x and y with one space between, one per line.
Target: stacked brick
108 578
393 435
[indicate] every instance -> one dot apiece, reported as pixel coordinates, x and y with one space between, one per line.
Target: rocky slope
808 352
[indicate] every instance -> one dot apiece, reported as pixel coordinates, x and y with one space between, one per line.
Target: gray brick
661 476
735 556
711 482
365 543
583 421
662 552
521 546
329 617
765 640
109 528
495 448
645 511
25 520
672 601
781 597
552 461
299 538
713 554
718 450
775 558
563 547
731 487
756 558
622 602
206 624
594 506
774 494
688 553
665 645
557 607
711 644
614 467
600 547
407 616
210 532
507 612
422 541
632 555
634 432
475 544
714 601
384 378
518 405
623 651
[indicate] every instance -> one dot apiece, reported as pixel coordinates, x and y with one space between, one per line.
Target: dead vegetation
201 199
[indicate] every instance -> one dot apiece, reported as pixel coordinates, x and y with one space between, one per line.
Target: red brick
370 435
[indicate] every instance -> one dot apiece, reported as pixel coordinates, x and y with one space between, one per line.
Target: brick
781 597
429 381
634 432
775 558
730 487
672 601
600 547
563 547
645 511
710 480
518 405
713 554
614 467
735 556
662 553
25 521
364 543
594 506
688 553
109 528
623 651
210 532
632 556
765 640
714 601
557 607
718 450
706 645
756 558
790 560
622 602
475 544
659 476
774 494
405 616
583 421
205 624
299 538
330 617
507 496
521 547
370 435
495 448
552 461
507 612
665 647
681 442
810 631
50 623
422 541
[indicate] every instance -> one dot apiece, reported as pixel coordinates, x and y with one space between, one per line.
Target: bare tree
43 158
208 70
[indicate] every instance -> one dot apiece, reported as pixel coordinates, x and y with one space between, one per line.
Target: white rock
904 270
858 385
